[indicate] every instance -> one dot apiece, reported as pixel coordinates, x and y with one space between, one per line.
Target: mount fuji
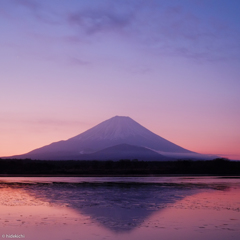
114 139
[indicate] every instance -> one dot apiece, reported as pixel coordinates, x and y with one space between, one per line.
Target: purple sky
172 66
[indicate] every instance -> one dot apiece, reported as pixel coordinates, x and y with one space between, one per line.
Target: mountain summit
100 139
117 127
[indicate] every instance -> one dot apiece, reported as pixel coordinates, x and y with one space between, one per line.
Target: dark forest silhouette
219 166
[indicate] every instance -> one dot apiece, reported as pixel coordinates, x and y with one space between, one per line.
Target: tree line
28 167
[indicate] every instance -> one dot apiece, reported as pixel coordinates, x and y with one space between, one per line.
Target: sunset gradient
172 66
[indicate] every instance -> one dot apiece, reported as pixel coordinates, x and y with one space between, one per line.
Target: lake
122 208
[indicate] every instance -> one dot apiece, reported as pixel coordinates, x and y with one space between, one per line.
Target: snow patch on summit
114 128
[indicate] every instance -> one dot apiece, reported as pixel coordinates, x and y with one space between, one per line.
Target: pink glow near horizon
172 68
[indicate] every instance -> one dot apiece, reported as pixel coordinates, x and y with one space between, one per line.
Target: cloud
57 122
41 12
41 121
176 31
95 21
170 30
31 4
160 27
78 61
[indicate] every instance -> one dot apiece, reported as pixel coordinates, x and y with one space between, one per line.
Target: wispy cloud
42 121
173 30
78 61
95 21
31 4
178 31
43 13
157 26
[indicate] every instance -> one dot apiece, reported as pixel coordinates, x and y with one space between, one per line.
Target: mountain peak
120 117
113 128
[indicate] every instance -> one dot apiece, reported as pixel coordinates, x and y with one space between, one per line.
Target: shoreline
121 175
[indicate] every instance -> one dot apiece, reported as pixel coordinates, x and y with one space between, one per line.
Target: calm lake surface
130 208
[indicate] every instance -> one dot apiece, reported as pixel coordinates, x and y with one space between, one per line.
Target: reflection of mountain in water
117 206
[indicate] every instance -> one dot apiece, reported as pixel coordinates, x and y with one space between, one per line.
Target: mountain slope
125 151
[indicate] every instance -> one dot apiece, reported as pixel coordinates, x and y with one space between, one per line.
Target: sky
173 66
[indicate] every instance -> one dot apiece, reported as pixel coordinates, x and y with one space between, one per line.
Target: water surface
120 208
